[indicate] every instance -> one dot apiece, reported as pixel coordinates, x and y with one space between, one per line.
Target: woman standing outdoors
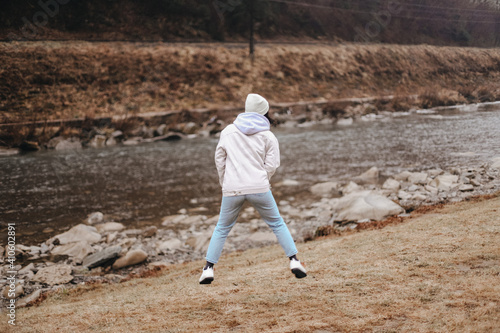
246 158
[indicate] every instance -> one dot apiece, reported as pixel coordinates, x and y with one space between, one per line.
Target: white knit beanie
256 103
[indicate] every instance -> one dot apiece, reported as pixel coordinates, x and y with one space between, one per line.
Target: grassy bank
436 272
54 80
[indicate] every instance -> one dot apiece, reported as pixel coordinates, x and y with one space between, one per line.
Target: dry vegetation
437 272
53 80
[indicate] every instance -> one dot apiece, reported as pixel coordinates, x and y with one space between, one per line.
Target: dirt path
437 272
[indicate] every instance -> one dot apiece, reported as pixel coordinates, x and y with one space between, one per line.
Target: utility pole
251 42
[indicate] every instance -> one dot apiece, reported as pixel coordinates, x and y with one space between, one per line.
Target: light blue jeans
268 210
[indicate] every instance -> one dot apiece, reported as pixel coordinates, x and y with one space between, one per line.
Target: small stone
325 189
98 141
150 231
403 176
29 299
466 187
70 144
169 245
78 233
391 184
94 218
132 257
55 274
109 227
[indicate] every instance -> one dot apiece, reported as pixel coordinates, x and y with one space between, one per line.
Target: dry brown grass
437 272
53 80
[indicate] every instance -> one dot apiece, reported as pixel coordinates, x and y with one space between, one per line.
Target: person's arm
220 161
272 159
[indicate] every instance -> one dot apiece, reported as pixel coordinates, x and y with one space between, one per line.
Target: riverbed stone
391 184
109 227
95 217
495 163
169 245
80 232
29 299
28 268
98 141
418 178
55 274
370 176
132 257
325 189
351 187
200 241
365 205
77 250
69 144
102 257
403 176
150 231
445 182
172 219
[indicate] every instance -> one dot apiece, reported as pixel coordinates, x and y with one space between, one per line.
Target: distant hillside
447 22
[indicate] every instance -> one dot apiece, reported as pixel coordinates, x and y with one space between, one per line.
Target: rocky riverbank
101 250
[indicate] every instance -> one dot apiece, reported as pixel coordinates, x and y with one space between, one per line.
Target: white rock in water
365 205
445 182
109 226
404 195
18 291
80 232
78 250
419 178
369 176
345 121
55 274
71 144
98 141
391 184
96 217
325 189
132 257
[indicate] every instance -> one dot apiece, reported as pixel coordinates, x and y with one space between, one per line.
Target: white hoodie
247 155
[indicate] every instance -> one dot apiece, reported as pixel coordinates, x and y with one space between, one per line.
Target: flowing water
140 184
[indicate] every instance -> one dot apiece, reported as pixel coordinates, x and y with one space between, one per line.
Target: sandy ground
436 272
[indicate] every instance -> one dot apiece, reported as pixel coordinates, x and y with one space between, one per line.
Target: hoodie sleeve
272 159
220 161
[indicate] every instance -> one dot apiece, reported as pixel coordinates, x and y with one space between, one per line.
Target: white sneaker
207 276
297 269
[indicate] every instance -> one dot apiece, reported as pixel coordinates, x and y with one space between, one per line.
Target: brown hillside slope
54 80
436 273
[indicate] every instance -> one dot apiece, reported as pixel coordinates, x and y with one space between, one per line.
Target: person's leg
229 210
268 210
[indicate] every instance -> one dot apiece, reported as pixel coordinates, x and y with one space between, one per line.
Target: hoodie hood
251 123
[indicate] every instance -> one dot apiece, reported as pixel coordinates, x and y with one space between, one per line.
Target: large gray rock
325 189
77 250
132 257
80 232
365 205
102 257
55 274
